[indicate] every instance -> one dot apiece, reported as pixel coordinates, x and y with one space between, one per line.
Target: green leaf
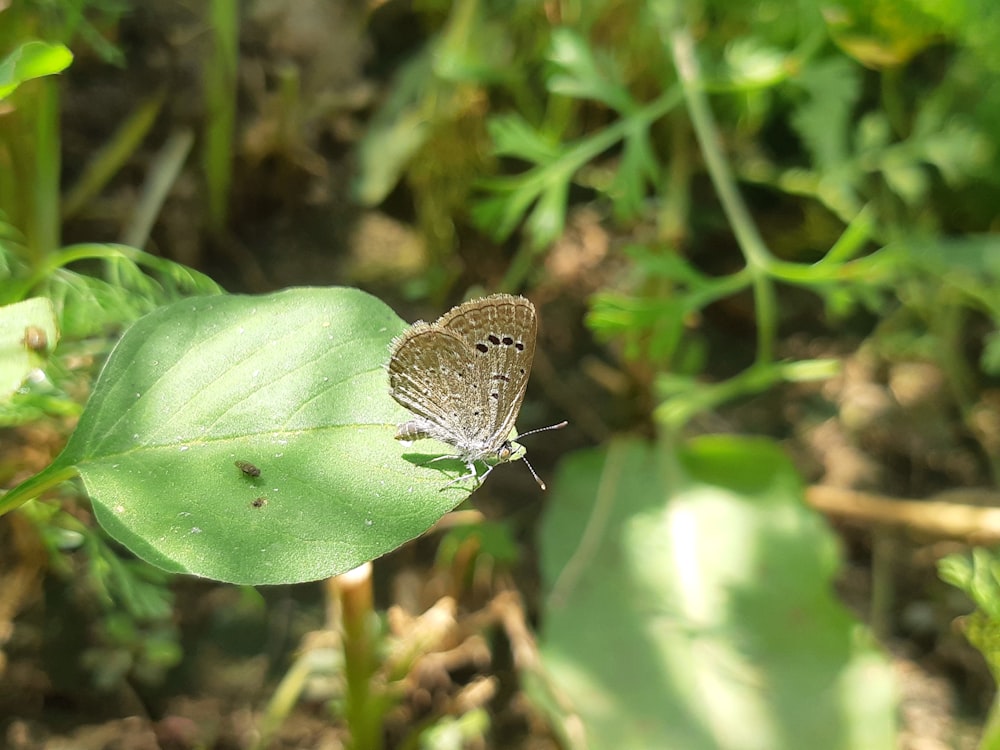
28 331
513 136
293 382
957 147
753 63
970 264
905 178
32 60
823 121
989 360
650 328
978 575
474 47
540 192
397 131
690 606
134 284
547 219
650 322
638 168
500 213
582 74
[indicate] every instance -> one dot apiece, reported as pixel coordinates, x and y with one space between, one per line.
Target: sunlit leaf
753 63
293 383
32 60
690 605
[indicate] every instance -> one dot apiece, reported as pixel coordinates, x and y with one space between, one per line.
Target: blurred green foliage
94 291
978 576
694 130
734 150
828 111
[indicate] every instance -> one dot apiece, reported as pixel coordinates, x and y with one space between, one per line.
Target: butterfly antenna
532 432
543 429
533 472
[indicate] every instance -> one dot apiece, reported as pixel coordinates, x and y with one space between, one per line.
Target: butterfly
464 377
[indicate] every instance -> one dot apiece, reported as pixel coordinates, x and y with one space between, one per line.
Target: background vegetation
761 240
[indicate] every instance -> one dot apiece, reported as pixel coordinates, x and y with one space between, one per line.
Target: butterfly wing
499 331
432 374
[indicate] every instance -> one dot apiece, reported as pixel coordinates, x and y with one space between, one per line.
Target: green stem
362 706
751 244
220 101
32 488
45 221
748 238
674 413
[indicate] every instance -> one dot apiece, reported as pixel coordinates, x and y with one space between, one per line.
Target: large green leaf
292 382
691 607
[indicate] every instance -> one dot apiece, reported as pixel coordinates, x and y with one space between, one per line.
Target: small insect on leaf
248 468
259 502
35 339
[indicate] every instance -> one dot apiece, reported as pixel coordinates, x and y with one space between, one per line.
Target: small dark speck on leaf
248 468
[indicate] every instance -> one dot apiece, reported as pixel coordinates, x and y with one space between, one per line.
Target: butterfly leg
473 474
452 457
470 465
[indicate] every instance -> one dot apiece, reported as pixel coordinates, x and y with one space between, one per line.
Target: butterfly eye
505 451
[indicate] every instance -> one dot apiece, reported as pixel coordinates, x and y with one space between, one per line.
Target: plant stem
44 234
363 714
220 104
